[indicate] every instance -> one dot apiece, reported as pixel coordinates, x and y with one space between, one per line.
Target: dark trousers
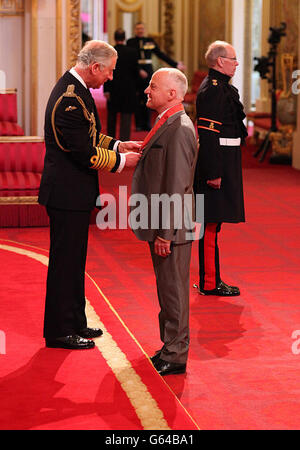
125 124
65 296
172 280
209 260
142 113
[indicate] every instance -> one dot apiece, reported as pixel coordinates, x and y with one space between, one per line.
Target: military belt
230 142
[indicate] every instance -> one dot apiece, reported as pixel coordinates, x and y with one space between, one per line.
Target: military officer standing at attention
145 47
218 173
75 151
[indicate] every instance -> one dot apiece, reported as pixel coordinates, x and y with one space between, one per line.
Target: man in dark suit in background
121 90
145 46
218 173
75 151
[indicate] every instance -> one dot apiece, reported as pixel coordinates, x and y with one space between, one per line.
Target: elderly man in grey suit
165 172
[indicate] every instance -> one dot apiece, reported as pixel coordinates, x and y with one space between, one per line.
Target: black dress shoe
72 342
155 357
222 290
232 288
169 368
90 333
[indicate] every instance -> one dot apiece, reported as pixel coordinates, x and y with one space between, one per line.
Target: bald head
174 79
167 88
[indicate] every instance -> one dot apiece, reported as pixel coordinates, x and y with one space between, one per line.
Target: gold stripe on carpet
139 345
146 408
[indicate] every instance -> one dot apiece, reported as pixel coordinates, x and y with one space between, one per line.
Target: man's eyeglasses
227 57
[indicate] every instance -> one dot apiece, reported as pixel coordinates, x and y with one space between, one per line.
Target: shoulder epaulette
70 93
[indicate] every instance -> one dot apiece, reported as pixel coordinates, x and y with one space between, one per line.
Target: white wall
46 58
12 57
238 9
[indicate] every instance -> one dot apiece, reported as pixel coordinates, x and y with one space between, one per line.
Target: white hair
178 78
96 51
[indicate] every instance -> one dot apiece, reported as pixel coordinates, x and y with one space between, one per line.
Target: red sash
175 109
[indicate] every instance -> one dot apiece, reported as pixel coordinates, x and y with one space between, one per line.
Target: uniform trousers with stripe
209 262
172 280
65 295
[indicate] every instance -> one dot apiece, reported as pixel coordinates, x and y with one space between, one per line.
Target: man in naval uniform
145 46
75 151
166 169
218 173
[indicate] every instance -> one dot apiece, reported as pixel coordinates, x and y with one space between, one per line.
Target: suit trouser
172 281
65 296
209 261
125 124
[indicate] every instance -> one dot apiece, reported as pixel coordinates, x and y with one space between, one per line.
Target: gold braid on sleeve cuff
104 159
106 142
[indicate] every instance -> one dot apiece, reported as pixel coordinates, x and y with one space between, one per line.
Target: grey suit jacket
162 185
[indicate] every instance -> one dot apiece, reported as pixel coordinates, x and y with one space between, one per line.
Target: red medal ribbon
175 109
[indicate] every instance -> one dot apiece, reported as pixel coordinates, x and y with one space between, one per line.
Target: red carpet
116 388
242 372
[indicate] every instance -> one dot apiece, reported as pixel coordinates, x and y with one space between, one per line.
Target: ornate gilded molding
134 7
212 13
73 31
282 141
20 139
228 21
8 91
129 5
11 7
169 15
58 38
34 68
30 200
